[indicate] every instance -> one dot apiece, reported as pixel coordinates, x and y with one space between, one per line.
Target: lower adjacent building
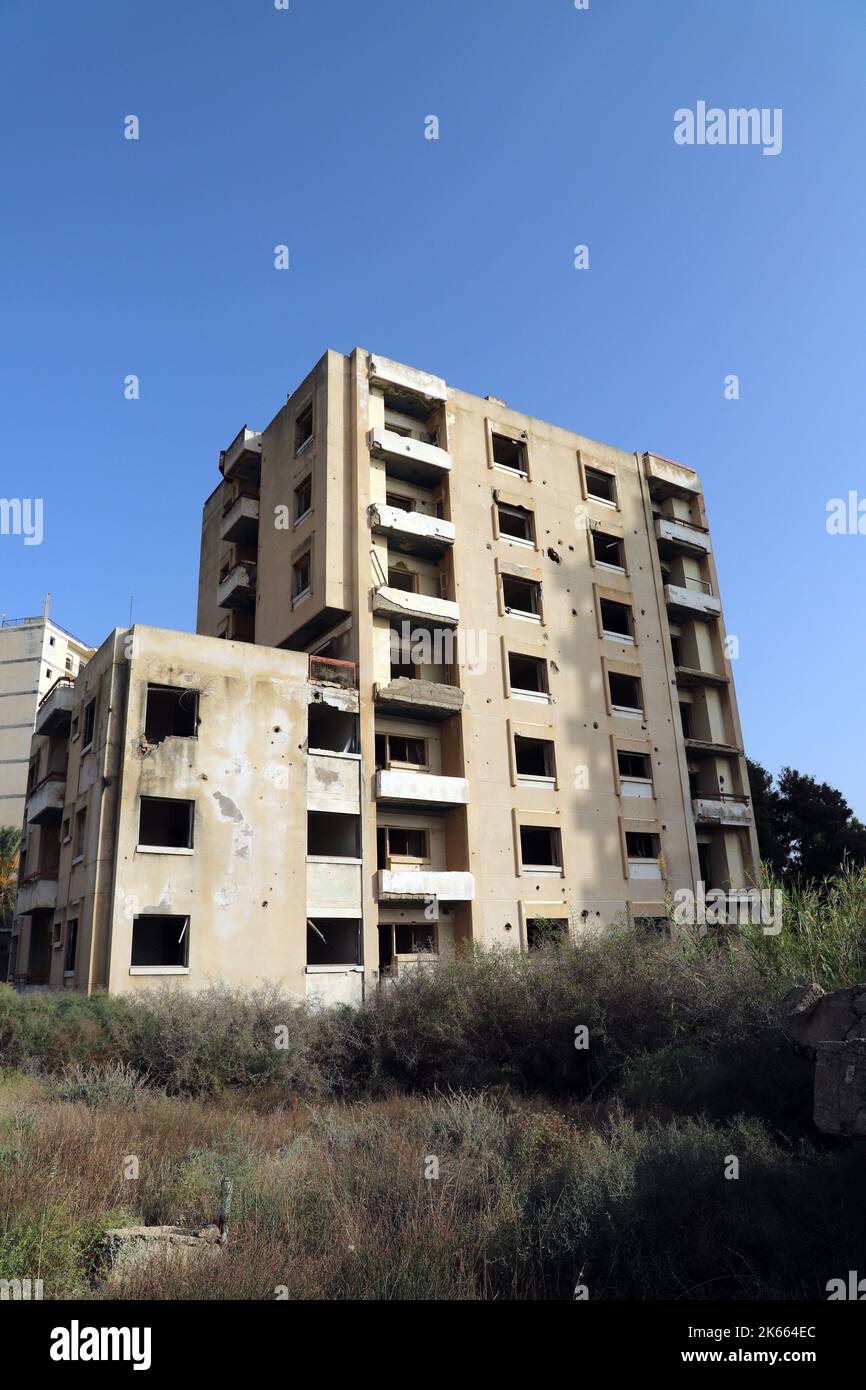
461 675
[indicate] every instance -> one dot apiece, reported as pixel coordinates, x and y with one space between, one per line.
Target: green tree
10 843
806 829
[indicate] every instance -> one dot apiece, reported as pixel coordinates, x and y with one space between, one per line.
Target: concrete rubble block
129 1248
840 1087
810 1017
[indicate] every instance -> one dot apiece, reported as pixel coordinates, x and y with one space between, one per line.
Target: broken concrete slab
809 1016
128 1248
840 1087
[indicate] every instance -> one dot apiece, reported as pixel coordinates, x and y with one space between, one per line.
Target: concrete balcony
413 532
410 459
334 782
237 588
38 893
242 460
240 523
734 811
689 676
46 801
707 748
681 537
395 885
406 787
387 374
688 603
54 715
333 887
669 479
424 608
423 699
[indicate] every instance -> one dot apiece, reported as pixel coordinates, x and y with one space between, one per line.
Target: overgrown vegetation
556 1164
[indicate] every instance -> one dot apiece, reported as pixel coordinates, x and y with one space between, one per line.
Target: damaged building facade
460 675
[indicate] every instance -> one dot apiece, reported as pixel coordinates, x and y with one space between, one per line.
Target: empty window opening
608 550
412 940
657 925
403 662
633 765
331 730
641 845
160 941
401 578
301 576
170 713
545 931
402 843
521 596
304 498
80 827
534 758
332 836
71 946
517 523
600 486
527 675
304 428
625 692
510 454
89 724
686 719
616 620
397 499
333 941
540 848
166 823
398 750
676 651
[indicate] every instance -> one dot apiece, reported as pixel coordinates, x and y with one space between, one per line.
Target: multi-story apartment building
548 727
460 675
176 843
34 653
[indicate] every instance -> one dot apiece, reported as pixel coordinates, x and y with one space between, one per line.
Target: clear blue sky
306 127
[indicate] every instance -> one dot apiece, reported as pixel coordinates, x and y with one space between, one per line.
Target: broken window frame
548 752
542 694
181 924
304 489
596 533
89 725
304 428
636 841
70 947
302 567
617 708
532 587
524 515
497 439
612 634
165 846
185 699
392 760
399 857
533 868
590 474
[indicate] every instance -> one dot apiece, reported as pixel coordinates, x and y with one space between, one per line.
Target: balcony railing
54 712
46 799
241 518
242 460
237 586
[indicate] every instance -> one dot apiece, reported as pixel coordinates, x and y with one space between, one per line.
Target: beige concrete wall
33 655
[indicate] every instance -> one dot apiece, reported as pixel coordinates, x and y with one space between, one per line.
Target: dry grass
333 1202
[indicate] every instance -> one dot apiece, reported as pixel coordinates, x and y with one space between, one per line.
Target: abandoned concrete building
34 653
459 675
